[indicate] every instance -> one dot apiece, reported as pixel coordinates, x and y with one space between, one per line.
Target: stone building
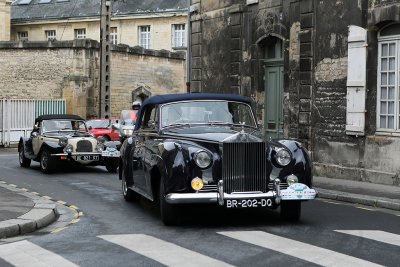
5 20
70 70
325 72
159 24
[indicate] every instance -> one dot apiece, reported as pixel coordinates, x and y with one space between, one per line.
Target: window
144 36
388 118
178 35
80 33
50 35
22 36
114 35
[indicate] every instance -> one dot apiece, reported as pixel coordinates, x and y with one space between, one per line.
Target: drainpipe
189 53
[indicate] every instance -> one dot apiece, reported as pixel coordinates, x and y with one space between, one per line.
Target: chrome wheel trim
124 187
21 156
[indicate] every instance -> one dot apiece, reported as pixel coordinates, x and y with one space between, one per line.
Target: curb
43 213
386 203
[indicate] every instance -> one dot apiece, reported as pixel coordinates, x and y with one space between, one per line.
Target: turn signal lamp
197 184
292 179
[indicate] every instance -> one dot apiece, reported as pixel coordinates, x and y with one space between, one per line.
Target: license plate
87 157
298 191
110 153
248 203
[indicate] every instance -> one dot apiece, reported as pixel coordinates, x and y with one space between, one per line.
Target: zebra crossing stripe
380 236
307 252
25 253
164 252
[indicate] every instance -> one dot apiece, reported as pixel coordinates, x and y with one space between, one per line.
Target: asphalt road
112 232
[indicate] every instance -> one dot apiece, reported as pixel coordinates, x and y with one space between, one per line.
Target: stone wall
70 70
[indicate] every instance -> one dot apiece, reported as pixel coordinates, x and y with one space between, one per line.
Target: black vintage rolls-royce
207 148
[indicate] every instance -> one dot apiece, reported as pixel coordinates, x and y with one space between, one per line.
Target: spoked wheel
169 213
291 210
129 194
23 161
47 164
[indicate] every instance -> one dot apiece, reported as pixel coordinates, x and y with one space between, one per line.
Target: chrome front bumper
219 197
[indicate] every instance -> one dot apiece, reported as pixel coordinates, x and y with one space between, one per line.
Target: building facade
5 20
325 72
157 25
70 70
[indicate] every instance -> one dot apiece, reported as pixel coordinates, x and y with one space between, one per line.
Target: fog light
197 184
292 179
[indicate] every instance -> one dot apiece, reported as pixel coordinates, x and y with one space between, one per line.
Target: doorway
273 84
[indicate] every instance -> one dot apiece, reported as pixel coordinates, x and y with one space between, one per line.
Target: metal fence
17 116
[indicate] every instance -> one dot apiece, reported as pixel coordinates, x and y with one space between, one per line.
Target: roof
58 117
30 10
162 99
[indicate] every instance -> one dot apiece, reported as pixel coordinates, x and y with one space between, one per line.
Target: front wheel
23 161
112 165
168 212
129 194
291 210
47 164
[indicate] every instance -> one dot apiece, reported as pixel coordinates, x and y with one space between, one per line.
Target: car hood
216 134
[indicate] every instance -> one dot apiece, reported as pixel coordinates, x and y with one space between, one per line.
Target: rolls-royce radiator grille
84 146
244 167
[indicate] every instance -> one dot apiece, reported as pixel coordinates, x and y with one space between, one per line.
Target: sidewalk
22 212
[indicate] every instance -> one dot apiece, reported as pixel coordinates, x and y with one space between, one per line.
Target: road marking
331 202
164 252
75 221
46 197
74 207
307 252
34 193
58 230
362 208
61 202
376 235
25 253
12 185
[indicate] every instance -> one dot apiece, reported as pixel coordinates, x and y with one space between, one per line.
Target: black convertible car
207 148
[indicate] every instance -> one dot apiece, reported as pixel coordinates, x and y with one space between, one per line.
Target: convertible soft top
162 99
58 117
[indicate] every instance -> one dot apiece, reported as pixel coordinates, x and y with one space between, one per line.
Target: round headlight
68 148
202 159
283 156
99 147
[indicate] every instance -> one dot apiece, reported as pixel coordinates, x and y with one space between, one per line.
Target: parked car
126 124
64 138
208 148
102 128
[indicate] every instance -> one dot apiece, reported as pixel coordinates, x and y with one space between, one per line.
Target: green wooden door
273 123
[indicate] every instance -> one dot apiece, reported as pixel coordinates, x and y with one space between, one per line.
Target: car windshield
63 125
207 112
128 117
98 123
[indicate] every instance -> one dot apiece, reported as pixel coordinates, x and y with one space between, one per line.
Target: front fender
301 164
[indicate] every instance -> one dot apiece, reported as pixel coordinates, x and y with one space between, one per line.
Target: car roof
57 117
162 99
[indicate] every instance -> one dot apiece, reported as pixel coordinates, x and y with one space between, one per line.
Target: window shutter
356 81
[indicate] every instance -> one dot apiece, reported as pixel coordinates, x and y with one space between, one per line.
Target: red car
102 128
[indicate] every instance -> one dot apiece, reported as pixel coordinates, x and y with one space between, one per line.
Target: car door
145 156
37 139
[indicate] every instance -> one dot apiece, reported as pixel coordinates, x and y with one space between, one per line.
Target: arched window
388 110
